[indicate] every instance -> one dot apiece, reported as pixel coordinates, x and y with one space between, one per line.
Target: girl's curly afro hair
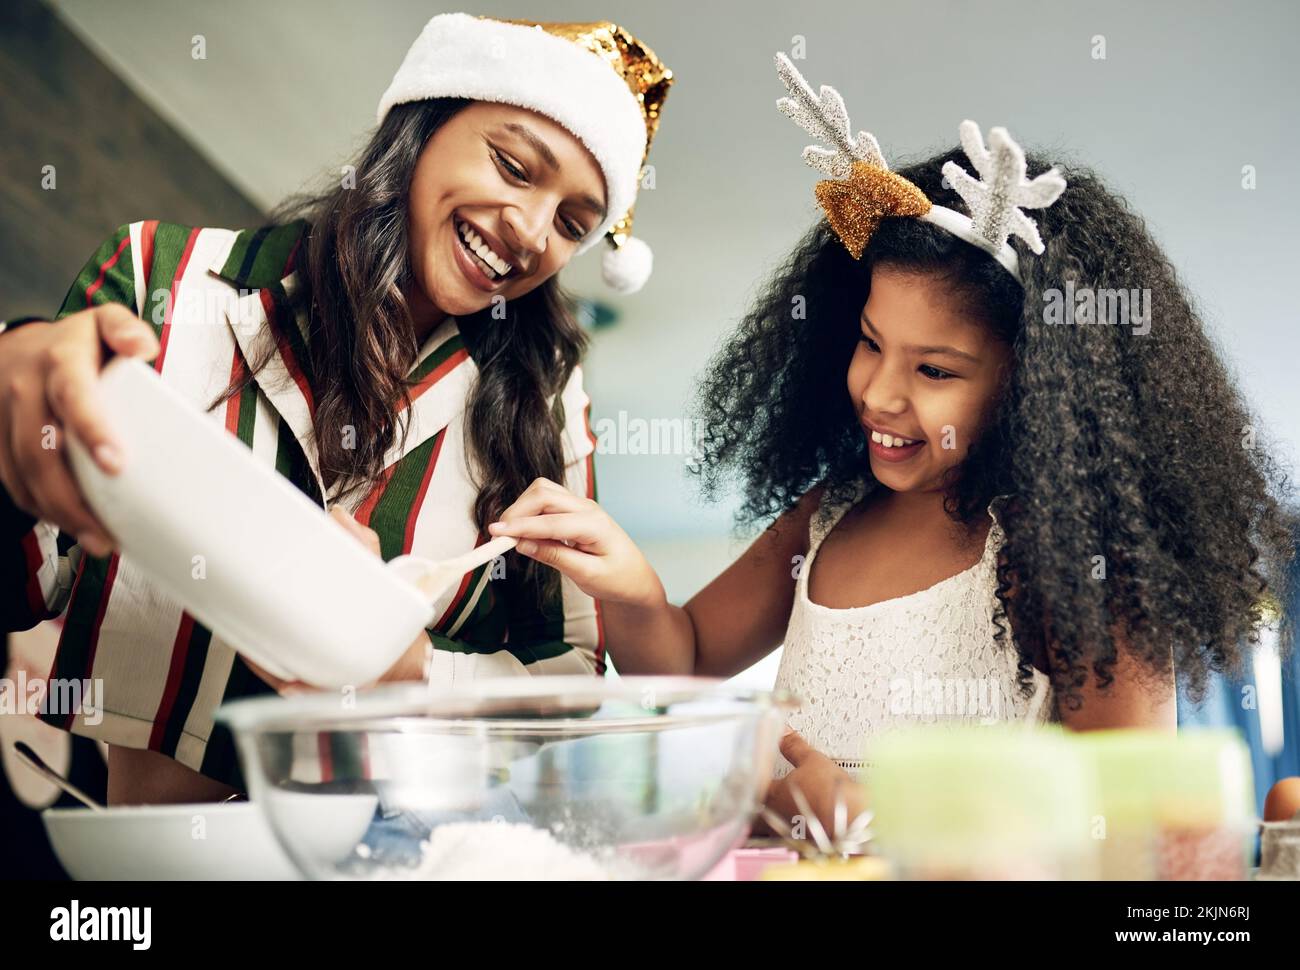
1135 447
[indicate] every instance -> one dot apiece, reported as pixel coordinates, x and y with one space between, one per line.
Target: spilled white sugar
502 850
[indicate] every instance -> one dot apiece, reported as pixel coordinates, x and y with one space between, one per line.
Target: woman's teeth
889 441
492 264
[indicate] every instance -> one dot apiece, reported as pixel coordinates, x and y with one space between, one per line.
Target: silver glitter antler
995 198
824 117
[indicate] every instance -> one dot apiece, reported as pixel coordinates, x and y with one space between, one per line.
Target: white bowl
280 581
229 840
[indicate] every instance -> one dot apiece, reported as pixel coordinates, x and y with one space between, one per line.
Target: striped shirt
212 296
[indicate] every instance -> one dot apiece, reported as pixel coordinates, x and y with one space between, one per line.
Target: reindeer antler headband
863 190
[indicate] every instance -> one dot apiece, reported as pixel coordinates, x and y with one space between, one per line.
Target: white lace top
921 658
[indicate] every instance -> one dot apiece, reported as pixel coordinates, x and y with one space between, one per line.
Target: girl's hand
819 778
410 666
577 537
48 378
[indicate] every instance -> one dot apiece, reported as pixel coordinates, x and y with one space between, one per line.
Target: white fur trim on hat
461 56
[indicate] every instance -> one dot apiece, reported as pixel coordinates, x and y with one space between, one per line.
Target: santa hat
594 79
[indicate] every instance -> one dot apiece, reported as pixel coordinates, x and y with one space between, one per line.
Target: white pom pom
627 268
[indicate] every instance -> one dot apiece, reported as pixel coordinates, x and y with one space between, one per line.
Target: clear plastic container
995 802
1171 807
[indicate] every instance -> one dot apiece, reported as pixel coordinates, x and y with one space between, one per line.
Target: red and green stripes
189 652
394 504
263 257
445 358
393 508
288 340
241 410
189 656
75 657
467 614
172 247
261 260
107 277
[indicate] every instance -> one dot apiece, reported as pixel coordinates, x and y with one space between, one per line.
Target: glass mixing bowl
541 778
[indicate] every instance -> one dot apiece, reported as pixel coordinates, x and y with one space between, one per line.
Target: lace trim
817 534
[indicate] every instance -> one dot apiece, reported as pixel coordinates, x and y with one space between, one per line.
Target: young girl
979 513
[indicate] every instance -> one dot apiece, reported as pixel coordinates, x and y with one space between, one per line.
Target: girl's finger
579 527
795 749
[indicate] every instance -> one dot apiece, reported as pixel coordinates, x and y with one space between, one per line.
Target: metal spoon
32 760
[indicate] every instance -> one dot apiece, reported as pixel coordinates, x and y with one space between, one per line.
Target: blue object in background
1223 707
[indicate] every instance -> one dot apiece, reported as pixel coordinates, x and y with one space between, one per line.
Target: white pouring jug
244 551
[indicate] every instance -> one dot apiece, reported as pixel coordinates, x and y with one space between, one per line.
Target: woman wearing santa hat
397 346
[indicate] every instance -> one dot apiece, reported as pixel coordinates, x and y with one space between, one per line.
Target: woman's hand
577 537
48 384
819 779
409 666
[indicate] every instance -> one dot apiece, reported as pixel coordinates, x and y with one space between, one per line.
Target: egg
1283 801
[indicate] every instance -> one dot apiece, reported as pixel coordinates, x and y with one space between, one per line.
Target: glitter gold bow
854 206
864 190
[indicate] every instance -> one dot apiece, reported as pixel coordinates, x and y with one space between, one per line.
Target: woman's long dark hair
352 267
1135 448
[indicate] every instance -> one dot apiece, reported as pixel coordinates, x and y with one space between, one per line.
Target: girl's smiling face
924 371
507 179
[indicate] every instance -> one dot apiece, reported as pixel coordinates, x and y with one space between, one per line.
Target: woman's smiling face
507 182
924 371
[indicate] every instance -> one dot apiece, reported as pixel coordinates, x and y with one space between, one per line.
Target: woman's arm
48 377
734 621
138 776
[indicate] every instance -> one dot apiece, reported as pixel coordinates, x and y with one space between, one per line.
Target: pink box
746 865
